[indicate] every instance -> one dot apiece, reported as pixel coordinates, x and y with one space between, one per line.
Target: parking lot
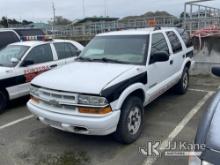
24 140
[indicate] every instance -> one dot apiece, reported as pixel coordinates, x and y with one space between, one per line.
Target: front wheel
131 121
3 101
183 84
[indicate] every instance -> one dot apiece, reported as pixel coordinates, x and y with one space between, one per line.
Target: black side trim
4 83
112 93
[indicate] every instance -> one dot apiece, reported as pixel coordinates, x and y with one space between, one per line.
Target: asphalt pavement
25 141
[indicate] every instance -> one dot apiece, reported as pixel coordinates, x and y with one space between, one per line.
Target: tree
59 20
4 22
182 15
25 22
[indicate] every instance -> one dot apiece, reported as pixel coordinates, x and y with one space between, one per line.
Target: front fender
129 90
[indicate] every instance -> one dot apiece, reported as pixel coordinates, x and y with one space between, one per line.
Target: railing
91 29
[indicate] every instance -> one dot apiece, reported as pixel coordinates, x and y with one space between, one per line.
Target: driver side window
39 54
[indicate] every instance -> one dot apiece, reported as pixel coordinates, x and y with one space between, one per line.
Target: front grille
57 101
57 97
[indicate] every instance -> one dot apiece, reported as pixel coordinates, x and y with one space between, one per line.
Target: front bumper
77 124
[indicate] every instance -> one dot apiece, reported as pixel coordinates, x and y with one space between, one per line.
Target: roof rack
37 38
157 27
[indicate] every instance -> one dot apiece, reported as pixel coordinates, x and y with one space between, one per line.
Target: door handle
53 66
171 62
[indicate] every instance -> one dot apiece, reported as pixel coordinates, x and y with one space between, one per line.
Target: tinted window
65 50
159 43
175 42
125 49
29 32
40 54
7 38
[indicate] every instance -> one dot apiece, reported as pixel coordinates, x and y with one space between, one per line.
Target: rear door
66 52
159 72
177 52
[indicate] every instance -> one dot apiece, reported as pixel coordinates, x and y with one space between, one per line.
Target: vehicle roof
36 43
29 43
141 31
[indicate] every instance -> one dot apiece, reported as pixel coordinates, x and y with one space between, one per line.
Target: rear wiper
108 60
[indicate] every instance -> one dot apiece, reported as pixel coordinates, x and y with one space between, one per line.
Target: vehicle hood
81 77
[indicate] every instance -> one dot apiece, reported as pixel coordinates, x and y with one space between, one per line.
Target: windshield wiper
100 59
84 59
108 60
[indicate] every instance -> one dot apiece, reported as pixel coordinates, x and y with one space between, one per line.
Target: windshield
124 49
12 52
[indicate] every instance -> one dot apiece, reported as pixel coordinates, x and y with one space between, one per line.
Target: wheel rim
185 81
134 120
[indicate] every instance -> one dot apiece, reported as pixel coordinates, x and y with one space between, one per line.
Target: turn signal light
98 111
35 100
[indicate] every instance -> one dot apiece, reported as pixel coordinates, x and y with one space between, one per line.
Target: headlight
92 100
33 91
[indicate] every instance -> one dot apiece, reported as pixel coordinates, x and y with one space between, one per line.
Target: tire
131 121
183 84
3 100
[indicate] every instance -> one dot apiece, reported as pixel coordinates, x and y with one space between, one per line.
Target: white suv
116 75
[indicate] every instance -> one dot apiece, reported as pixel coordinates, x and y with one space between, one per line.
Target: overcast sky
41 10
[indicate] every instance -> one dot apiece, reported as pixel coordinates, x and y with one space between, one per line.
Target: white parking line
179 128
16 122
200 90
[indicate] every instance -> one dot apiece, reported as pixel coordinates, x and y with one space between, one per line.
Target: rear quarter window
65 50
7 38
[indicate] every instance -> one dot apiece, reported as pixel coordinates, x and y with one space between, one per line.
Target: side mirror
161 56
216 71
27 63
14 60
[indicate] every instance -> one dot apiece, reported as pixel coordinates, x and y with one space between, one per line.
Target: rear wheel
183 84
131 121
3 100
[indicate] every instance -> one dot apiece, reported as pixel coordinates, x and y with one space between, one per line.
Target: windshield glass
12 52
124 49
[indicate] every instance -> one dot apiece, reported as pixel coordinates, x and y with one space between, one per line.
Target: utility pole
106 8
54 16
